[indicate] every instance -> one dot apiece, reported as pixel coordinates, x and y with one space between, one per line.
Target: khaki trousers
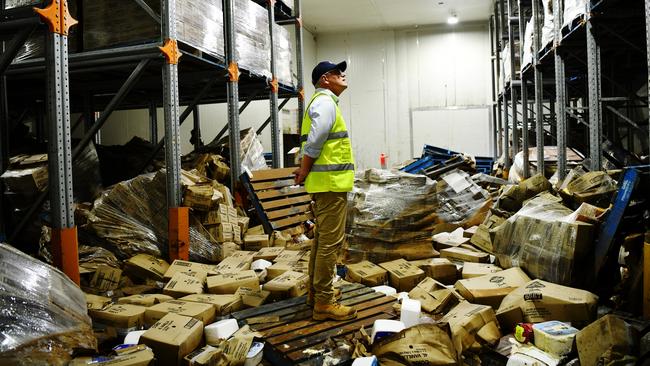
330 211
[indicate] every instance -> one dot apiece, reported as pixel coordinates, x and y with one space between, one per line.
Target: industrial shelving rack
129 77
580 91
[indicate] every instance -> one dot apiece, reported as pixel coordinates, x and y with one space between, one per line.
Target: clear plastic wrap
86 175
252 37
547 27
44 314
10 4
392 215
252 152
529 34
572 10
200 24
283 54
505 57
546 239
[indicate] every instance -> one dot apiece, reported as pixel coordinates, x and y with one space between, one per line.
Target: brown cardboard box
144 299
490 289
243 224
228 249
289 256
472 325
94 302
229 283
424 344
146 266
205 356
469 232
269 253
301 266
465 255
277 269
472 269
256 230
440 269
200 311
199 197
434 297
216 217
289 284
609 333
232 214
121 316
280 239
252 297
244 255
181 284
225 232
255 242
173 337
142 356
188 267
403 275
223 304
227 196
367 273
236 234
106 278
233 264
539 301
30 180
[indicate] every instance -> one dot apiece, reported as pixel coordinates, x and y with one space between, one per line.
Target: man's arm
322 113
305 167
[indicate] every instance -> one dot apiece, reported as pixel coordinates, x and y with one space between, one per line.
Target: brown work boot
334 311
310 296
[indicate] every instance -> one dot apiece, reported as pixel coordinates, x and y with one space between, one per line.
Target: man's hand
305 166
299 176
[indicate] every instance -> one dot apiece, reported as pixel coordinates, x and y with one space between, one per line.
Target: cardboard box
289 284
203 312
269 253
366 273
232 214
181 284
146 266
244 255
289 256
106 278
223 304
539 301
252 298
256 230
94 302
121 316
199 196
490 289
301 266
472 269
278 269
173 337
243 222
236 234
229 283
403 275
144 299
440 269
204 356
233 265
468 233
280 239
214 217
255 242
225 232
453 239
434 297
142 356
187 268
472 325
607 333
464 255
26 181
227 249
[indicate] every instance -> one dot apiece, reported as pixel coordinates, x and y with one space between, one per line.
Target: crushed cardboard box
139 356
144 299
289 284
181 284
424 344
490 289
465 255
200 311
472 269
403 275
106 278
472 325
609 334
434 297
95 302
252 297
366 273
173 337
124 317
539 301
440 269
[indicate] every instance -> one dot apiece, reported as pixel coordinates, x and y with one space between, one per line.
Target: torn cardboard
490 289
472 326
434 297
424 344
146 266
465 255
440 269
609 334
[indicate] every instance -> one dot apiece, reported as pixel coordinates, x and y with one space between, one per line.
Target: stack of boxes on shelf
199 24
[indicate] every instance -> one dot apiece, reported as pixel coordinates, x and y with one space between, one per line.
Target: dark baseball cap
324 67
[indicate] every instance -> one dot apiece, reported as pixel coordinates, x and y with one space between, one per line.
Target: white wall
123 125
392 73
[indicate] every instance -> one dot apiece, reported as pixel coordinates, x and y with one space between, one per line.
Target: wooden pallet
297 339
278 203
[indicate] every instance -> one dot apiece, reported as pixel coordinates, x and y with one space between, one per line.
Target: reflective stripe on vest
331 136
331 167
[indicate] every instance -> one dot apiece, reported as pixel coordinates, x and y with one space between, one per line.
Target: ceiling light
453 19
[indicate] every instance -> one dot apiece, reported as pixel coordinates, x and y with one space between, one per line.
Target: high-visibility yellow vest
333 171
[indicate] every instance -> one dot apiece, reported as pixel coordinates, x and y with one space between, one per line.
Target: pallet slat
288 211
286 202
286 191
273 184
278 224
262 175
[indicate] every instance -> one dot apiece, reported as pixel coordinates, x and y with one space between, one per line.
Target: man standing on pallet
327 168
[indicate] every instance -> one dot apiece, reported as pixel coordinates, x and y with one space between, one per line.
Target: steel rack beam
153 122
276 141
241 110
297 10
197 127
594 97
263 126
524 92
647 24
560 91
14 45
232 91
539 87
513 78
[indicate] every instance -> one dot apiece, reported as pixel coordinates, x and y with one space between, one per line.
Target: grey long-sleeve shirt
322 112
